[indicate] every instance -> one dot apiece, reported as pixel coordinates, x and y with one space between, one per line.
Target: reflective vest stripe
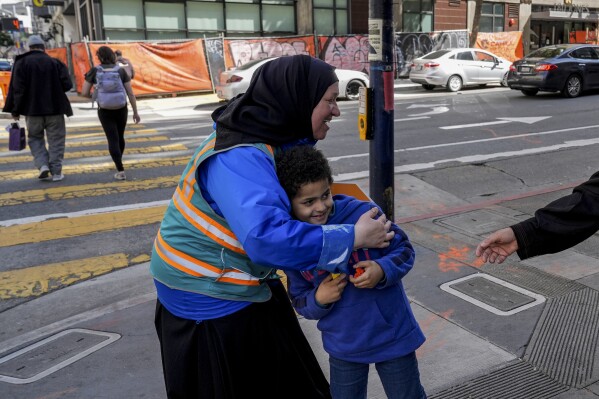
206 224
184 262
189 179
270 149
194 267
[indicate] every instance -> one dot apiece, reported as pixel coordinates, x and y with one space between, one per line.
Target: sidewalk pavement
519 330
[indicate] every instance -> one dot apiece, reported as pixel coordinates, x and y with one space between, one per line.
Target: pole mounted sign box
10 24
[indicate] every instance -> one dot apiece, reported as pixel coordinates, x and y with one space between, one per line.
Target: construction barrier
4 82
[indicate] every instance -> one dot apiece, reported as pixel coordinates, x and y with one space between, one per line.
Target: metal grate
516 381
564 344
454 3
513 10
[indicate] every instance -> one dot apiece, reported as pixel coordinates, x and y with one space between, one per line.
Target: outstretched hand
498 246
371 233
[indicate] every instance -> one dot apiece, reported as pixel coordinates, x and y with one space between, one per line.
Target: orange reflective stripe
194 267
270 149
189 179
206 224
184 262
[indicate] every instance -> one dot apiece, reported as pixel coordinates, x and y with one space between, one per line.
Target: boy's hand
371 276
330 289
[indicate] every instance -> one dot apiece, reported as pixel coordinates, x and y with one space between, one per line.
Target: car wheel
530 92
454 83
352 90
428 87
573 86
504 80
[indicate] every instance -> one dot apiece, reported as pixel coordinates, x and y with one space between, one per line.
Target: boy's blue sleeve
243 187
303 297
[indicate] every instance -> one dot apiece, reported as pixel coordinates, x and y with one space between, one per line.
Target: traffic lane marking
38 280
57 193
100 153
132 164
56 229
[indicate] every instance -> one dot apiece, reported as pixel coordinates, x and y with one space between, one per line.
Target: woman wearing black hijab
224 321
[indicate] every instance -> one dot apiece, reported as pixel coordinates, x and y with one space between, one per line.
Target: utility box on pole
380 37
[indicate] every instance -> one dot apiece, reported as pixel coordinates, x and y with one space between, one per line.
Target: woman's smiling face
324 112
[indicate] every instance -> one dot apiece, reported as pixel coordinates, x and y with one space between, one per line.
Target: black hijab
277 107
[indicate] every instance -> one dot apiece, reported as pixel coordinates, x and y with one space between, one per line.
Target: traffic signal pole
380 36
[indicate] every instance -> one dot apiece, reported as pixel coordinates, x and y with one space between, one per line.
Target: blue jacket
241 185
365 325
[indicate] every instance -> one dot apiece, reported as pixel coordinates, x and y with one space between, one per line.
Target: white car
456 68
236 81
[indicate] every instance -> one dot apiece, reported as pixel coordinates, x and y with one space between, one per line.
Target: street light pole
380 36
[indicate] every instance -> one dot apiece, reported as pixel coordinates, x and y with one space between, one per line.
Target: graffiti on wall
409 46
240 51
345 52
216 58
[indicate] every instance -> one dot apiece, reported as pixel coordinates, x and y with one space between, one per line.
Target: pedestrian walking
559 225
125 64
365 317
37 88
111 90
225 324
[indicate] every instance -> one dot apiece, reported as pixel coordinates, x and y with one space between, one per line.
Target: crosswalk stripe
55 229
38 280
56 193
99 153
96 126
101 133
99 167
93 142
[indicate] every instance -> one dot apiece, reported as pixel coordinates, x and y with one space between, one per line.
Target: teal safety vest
195 249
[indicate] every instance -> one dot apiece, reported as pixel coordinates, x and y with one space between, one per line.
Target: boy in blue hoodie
364 314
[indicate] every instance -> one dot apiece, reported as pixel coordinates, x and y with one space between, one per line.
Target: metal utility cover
478 222
495 295
52 354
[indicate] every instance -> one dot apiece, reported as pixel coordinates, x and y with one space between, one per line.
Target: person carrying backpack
125 64
112 87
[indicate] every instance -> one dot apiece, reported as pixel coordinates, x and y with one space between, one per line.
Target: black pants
114 122
257 352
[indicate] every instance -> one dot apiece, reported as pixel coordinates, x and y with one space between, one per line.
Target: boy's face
313 202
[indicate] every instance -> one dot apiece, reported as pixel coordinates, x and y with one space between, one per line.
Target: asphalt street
77 301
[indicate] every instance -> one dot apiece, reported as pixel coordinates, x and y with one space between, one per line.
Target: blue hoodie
365 325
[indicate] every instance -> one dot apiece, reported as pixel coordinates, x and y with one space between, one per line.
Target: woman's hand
330 289
498 246
136 117
371 233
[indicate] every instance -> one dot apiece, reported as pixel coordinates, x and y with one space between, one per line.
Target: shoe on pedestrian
120 176
58 177
44 172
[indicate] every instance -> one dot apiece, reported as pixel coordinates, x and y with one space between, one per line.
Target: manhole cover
52 354
495 295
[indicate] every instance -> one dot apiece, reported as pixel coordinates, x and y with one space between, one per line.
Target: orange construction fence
504 44
4 82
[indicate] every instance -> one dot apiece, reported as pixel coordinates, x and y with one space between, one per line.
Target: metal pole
380 35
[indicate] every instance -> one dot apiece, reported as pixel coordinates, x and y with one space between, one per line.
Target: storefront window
492 18
138 19
417 16
330 17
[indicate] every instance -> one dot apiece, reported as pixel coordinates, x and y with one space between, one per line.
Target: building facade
543 22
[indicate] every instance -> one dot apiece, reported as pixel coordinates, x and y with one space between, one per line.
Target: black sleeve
65 78
90 76
562 224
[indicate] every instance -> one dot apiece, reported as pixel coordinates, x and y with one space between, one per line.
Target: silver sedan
237 81
456 68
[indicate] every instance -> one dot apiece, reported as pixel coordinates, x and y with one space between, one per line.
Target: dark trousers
257 352
114 122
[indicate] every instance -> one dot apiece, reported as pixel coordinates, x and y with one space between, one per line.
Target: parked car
456 68
567 68
236 81
5 65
